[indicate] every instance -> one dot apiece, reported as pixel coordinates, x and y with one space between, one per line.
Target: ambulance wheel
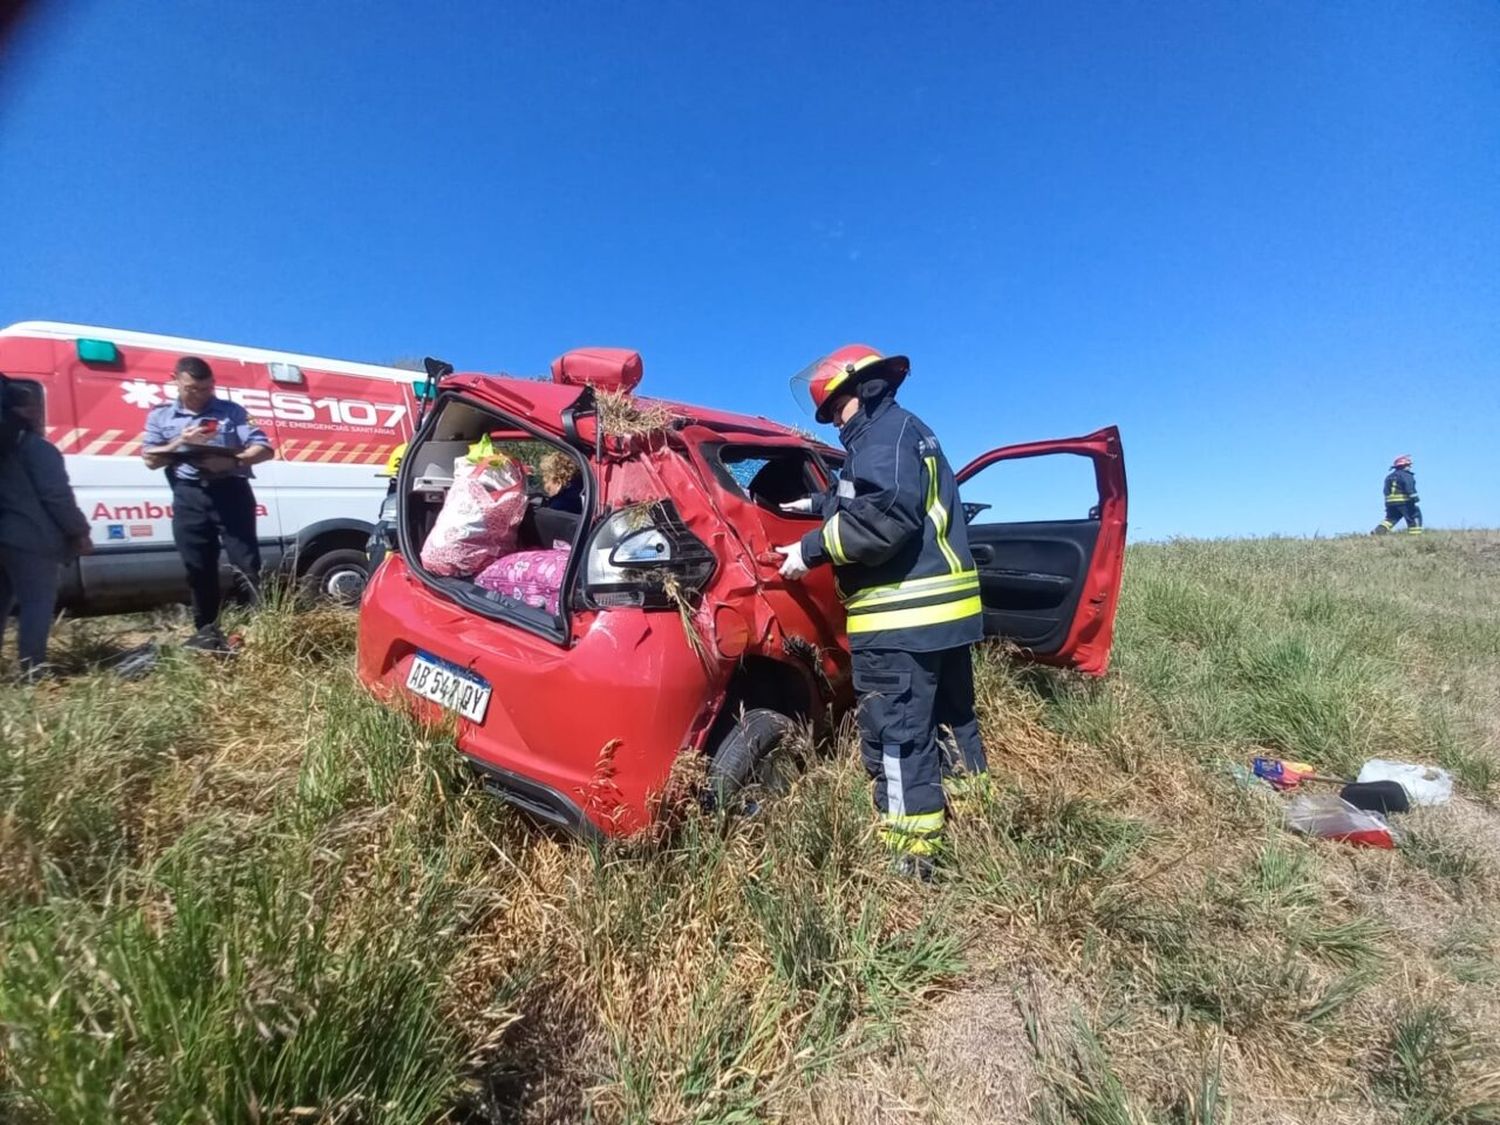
752 755
338 576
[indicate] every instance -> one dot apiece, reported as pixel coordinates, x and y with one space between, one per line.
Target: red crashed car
669 631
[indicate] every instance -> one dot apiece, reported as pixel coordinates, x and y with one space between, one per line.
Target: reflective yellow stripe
838 380
917 834
902 844
832 543
914 588
914 618
914 824
939 516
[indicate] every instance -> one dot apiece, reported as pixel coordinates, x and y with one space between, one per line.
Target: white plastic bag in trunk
480 514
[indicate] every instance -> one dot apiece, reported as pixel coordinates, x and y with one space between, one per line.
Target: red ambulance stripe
65 443
332 452
307 451
129 448
353 457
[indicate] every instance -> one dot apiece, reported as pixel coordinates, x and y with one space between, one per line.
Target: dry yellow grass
1123 933
623 415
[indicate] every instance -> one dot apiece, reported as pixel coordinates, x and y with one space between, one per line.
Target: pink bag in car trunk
533 577
478 521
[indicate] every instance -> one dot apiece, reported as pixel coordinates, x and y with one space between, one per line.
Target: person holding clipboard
207 446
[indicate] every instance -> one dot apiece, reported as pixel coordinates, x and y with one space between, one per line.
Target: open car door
1052 586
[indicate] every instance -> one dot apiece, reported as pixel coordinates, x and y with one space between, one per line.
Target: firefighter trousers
1407 510
916 726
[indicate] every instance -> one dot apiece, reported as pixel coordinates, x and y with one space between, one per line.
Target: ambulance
333 424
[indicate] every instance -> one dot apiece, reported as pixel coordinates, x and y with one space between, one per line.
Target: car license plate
449 686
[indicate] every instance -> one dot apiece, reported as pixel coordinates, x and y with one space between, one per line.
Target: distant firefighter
1400 499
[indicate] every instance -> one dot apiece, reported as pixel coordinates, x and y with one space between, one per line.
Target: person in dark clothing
1400 495
562 487
41 526
893 530
207 446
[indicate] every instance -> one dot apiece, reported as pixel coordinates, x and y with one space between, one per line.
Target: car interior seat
779 481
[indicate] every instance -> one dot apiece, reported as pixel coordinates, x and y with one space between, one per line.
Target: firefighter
1400 499
894 533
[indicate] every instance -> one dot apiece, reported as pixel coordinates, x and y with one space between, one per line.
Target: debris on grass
1425 785
1329 817
136 663
1288 775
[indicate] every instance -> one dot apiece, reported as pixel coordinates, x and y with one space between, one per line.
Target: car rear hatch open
526 420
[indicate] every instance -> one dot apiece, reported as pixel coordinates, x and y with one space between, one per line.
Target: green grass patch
244 892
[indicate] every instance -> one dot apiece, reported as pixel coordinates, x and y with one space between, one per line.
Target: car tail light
645 556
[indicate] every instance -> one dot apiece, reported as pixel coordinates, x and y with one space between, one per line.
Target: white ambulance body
333 425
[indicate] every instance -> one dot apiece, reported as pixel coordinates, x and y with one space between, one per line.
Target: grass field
244 893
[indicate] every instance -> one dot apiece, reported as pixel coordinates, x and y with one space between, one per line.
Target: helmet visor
817 375
802 387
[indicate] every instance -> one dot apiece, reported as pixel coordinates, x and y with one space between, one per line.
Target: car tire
747 758
337 576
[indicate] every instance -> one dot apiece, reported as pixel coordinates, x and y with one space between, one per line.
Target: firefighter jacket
894 532
1400 487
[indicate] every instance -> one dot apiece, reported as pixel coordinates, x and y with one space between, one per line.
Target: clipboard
190 453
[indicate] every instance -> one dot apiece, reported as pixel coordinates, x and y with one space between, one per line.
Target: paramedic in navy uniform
211 497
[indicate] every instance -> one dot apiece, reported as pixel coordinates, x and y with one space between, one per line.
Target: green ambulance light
97 351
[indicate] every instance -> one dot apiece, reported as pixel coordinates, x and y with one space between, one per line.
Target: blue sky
1263 239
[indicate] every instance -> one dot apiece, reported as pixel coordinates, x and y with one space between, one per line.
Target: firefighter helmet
839 372
1402 462
393 462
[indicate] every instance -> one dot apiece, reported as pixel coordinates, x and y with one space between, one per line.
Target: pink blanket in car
533 577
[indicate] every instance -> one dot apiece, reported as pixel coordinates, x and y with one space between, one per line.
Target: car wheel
751 756
339 576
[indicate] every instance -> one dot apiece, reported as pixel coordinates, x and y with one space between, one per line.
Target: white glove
803 506
793 567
